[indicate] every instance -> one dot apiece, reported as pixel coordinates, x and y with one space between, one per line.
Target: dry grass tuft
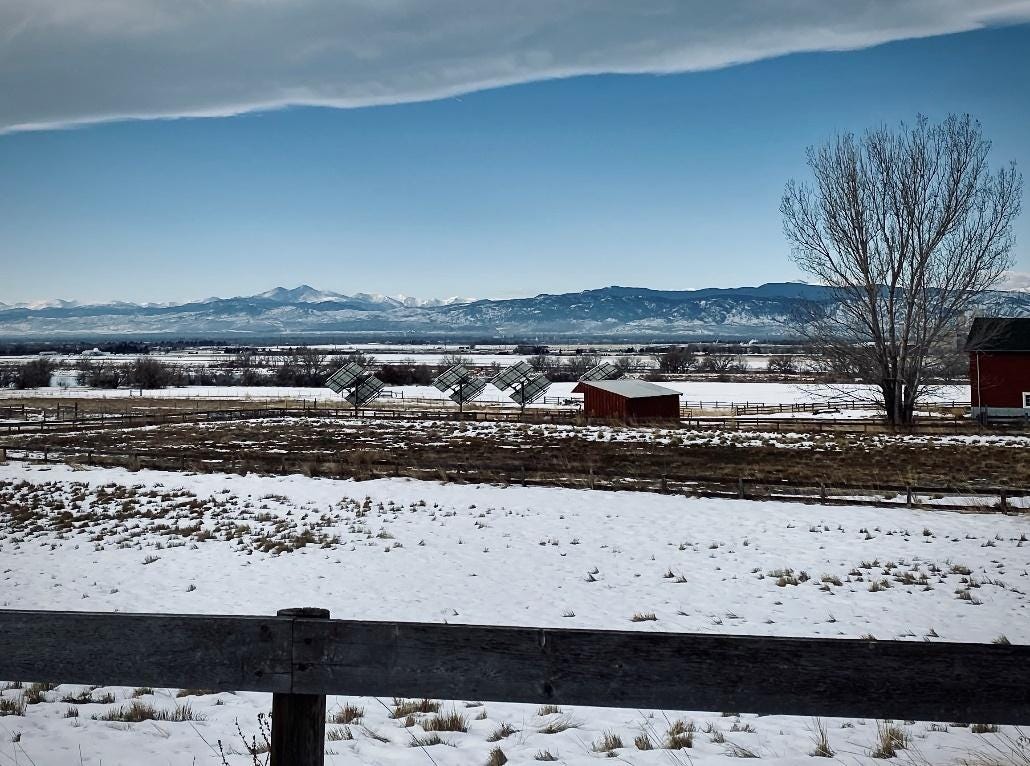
347 713
496 758
452 721
12 706
339 734
502 731
890 738
136 712
402 708
822 742
679 735
608 743
428 741
36 693
644 617
545 755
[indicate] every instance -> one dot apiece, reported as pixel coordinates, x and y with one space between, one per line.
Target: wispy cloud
1015 280
64 62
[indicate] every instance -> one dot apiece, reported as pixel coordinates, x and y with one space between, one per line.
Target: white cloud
73 61
1015 280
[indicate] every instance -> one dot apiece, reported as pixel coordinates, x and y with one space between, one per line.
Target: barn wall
605 404
654 408
1003 377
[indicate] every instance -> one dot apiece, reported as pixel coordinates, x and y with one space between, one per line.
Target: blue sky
665 181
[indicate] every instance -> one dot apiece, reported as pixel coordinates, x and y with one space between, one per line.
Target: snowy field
691 391
406 550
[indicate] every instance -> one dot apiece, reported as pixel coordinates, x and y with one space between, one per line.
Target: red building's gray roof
629 388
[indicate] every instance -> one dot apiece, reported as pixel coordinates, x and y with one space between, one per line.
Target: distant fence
300 656
942 497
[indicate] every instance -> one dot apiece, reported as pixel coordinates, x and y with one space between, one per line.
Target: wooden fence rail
300 656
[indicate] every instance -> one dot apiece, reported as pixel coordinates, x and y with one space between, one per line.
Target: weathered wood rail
300 656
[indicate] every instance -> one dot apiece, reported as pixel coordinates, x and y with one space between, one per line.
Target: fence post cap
304 611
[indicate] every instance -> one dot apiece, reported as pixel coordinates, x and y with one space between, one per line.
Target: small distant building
999 367
628 400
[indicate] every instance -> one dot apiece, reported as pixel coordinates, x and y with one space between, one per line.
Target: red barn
999 367
628 400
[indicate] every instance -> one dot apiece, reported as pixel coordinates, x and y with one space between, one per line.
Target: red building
628 400
999 367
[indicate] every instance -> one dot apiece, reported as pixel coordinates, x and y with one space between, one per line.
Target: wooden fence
954 497
300 656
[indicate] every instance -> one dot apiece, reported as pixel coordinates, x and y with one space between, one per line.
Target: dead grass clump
12 706
136 712
984 728
194 692
890 738
502 731
644 617
608 743
545 755
402 708
452 721
339 734
428 741
347 713
547 710
679 735
36 693
822 742
557 725
643 742
496 758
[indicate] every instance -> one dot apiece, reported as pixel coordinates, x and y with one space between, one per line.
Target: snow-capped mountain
610 312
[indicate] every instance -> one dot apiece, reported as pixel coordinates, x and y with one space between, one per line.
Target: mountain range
638 313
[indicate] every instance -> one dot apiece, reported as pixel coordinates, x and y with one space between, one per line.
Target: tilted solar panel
344 377
366 390
468 391
452 377
603 371
530 391
513 375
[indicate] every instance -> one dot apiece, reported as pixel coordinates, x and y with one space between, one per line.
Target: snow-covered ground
691 391
406 550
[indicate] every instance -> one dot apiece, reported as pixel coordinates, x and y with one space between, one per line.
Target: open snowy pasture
397 549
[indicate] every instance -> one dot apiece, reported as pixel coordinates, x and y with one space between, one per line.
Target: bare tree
908 228
676 359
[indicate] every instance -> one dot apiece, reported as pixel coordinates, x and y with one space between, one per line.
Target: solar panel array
452 377
603 371
528 391
513 375
344 378
466 392
365 391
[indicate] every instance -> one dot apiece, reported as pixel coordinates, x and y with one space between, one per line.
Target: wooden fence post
298 720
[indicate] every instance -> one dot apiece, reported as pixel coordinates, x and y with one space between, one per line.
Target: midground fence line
300 656
592 477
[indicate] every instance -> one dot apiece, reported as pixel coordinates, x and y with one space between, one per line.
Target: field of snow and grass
691 391
395 549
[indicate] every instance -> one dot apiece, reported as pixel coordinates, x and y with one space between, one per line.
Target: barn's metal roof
629 388
999 334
